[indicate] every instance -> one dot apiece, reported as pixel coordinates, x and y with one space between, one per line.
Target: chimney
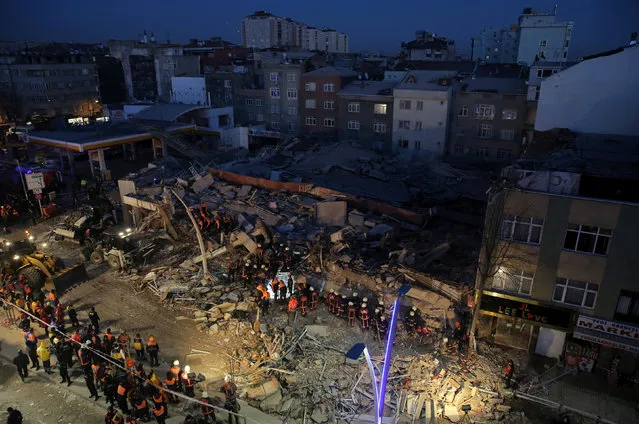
633 39
556 7
152 37
145 38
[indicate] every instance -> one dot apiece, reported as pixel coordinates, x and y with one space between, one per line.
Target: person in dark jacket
15 416
21 361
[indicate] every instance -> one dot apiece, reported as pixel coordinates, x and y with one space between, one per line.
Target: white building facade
541 37
421 111
189 90
598 95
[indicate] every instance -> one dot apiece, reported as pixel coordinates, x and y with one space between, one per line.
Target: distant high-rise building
536 37
263 30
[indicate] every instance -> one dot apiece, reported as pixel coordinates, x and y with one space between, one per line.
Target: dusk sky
374 25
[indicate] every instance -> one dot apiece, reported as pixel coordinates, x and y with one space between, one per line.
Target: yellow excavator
40 270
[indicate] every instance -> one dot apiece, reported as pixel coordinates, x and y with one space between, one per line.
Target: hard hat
227 378
365 300
331 291
414 308
205 394
363 305
383 318
312 289
381 303
343 296
56 340
350 303
247 264
176 363
263 266
187 369
255 266
259 245
412 314
281 244
151 338
288 248
377 310
355 294
248 261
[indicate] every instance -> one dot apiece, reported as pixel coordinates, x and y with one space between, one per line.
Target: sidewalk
11 340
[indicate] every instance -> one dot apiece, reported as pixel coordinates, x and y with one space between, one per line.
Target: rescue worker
292 307
331 301
177 373
64 372
158 397
88 379
109 341
31 342
138 345
314 298
21 361
59 316
130 420
302 287
187 382
153 348
290 284
94 318
510 371
275 287
208 412
381 307
170 382
259 254
356 300
117 418
410 322
363 316
122 392
14 416
110 413
142 409
282 289
123 342
352 313
382 326
160 413
230 392
45 356
85 359
109 388
304 304
342 306
53 298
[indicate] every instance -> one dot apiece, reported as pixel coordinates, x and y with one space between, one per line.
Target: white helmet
355 294
187 369
414 308
365 300
377 310
350 303
311 289
227 378
412 314
176 363
205 394
363 305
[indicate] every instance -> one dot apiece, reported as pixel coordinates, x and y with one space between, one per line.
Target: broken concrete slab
356 218
330 213
264 389
452 413
202 183
240 238
244 223
317 330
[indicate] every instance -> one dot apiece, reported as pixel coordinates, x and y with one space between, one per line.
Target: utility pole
198 233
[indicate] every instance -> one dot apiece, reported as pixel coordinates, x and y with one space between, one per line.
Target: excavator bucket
67 277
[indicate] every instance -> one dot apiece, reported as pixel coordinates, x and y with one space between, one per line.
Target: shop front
604 345
526 324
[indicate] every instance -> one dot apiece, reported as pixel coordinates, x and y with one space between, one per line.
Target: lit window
380 109
274 76
310 121
463 111
587 239
485 131
329 105
484 112
275 92
513 280
309 86
309 103
329 87
353 125
379 127
404 104
576 293
329 122
291 93
522 229
509 114
353 107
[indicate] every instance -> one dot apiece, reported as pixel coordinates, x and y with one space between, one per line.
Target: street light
354 354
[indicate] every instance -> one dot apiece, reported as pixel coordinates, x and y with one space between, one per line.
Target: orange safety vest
175 370
141 405
130 421
158 398
117 419
292 304
169 382
52 297
121 390
158 412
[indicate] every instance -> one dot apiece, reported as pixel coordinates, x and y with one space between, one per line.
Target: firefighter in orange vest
304 304
177 373
108 341
292 306
122 392
160 413
188 382
142 409
314 298
207 411
171 384
263 299
331 301
363 316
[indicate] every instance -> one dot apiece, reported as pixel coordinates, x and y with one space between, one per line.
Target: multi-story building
250 106
365 114
263 30
537 36
422 105
427 46
149 66
49 80
496 45
596 95
223 85
318 99
488 119
558 256
282 85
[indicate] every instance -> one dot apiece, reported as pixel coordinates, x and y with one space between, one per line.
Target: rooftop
462 66
168 112
426 80
495 85
369 88
330 71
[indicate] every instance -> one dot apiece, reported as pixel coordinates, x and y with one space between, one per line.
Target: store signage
608 327
606 342
499 305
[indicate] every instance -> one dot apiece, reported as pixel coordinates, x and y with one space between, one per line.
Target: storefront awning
606 339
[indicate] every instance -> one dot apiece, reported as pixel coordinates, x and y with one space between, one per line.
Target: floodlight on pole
354 354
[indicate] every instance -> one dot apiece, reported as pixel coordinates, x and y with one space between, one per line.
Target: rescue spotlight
128 230
16 257
44 244
31 238
120 233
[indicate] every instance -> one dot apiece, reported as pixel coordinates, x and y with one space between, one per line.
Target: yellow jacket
43 352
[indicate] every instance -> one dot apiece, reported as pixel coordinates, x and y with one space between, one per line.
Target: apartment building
496 45
488 120
149 66
223 85
282 85
49 80
429 47
365 114
422 106
596 95
318 99
559 253
251 106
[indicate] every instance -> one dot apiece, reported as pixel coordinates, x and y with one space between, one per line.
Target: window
353 125
310 121
509 114
463 111
485 131
522 229
85 71
227 83
249 102
309 103
291 94
587 239
566 44
507 134
292 110
481 152
568 32
402 144
543 43
353 107
275 92
628 307
417 145
275 108
259 102
275 125
576 293
260 117
329 87
379 109
459 149
228 97
418 125
420 105
274 76
250 116
404 104
329 105
291 77
379 127
484 112
309 86
404 125
513 280
503 153
291 127
329 122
